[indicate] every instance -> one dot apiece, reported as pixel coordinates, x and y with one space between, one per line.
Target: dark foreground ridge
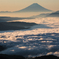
15 25
3 56
2 48
47 57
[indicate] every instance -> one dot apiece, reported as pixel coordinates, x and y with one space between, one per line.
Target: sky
14 5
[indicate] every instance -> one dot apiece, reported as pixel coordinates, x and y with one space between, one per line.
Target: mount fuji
34 8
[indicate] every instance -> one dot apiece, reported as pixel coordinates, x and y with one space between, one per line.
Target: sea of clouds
41 39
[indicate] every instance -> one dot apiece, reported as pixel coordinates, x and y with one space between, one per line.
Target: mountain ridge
54 14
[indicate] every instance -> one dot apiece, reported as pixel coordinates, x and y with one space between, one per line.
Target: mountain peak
35 4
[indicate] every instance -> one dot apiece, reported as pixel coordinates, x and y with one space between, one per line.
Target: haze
13 5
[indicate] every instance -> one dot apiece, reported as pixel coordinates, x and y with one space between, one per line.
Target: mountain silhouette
34 8
40 15
54 14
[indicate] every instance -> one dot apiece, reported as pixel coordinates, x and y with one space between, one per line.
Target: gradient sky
13 5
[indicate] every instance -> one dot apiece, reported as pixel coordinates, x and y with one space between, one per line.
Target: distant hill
54 14
40 15
5 12
34 8
14 26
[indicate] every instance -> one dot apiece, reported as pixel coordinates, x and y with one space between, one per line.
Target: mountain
34 8
40 15
14 26
54 14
